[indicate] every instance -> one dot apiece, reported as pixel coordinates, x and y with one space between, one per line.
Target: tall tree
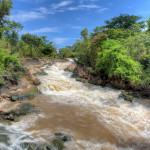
5 6
85 34
11 33
124 21
38 45
97 31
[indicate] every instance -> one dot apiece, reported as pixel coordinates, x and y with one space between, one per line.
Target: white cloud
23 16
45 30
61 7
102 10
61 4
88 6
45 11
83 7
42 12
60 40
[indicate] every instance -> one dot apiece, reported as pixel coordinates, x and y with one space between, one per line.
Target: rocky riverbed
14 94
71 115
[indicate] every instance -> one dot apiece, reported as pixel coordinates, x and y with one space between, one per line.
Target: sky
62 20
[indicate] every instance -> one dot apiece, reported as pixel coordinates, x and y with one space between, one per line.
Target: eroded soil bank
16 91
84 75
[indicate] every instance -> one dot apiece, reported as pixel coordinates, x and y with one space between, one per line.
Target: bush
9 65
118 34
115 62
7 60
138 47
83 52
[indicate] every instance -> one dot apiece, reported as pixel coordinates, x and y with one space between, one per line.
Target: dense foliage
12 47
9 66
120 49
115 62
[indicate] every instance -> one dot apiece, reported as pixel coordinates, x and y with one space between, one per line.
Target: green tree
138 47
5 6
22 48
38 45
115 62
82 52
65 52
49 50
124 21
11 34
29 39
118 34
97 31
34 42
85 34
95 46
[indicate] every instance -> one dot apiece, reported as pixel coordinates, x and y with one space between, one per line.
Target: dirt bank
25 87
84 75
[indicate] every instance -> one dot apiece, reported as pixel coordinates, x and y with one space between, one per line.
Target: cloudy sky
62 20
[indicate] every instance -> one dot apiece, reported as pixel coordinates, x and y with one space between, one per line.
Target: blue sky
62 20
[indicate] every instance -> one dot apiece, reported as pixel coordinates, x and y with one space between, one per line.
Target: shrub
7 60
83 52
138 47
115 62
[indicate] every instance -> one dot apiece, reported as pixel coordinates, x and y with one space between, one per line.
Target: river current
92 115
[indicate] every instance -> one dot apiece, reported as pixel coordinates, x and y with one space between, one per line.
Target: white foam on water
126 121
16 136
86 145
123 119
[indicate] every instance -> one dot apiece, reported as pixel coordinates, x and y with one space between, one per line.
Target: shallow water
92 115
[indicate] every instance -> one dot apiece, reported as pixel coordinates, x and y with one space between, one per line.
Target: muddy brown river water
92 115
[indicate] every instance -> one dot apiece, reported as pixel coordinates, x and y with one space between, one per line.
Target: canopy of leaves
138 47
65 52
83 52
118 34
38 45
115 62
97 31
85 34
8 65
5 6
124 21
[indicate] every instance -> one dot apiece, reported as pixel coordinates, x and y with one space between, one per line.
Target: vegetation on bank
120 49
13 47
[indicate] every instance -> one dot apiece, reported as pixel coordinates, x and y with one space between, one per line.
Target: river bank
85 75
16 91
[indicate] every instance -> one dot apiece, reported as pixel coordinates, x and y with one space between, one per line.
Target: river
92 115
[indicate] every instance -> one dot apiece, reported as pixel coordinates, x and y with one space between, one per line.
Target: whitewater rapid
92 115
